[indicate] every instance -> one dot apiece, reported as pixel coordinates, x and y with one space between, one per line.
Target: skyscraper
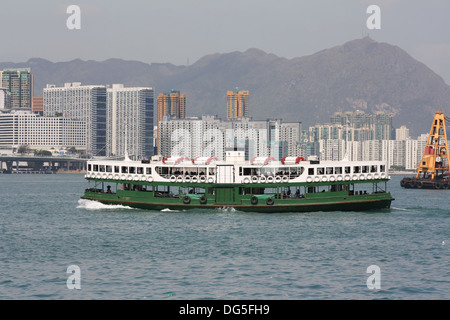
172 104
237 104
19 82
130 121
86 103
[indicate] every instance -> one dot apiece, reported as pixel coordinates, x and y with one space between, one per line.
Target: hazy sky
178 31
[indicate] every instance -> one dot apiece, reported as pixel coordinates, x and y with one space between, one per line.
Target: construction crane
433 168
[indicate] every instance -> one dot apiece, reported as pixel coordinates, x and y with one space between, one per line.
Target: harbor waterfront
125 253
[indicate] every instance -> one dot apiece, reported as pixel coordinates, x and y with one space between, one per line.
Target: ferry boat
260 185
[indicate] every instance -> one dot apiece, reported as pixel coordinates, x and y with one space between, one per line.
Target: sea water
125 253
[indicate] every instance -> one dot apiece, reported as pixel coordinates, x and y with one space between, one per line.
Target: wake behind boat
261 185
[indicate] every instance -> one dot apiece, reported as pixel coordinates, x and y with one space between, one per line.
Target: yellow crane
433 168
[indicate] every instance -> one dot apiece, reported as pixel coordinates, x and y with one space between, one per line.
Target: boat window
95 167
373 169
116 169
102 168
356 169
338 170
132 170
365 169
108 169
212 171
347 169
329 170
124 169
382 168
140 170
311 171
148 170
89 167
247 171
202 171
320 171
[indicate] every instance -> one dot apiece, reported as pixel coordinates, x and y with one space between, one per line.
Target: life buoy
143 178
186 199
246 180
339 178
332 179
203 199
277 179
210 180
355 177
187 179
269 201
347 178
254 179
254 200
180 179
173 179
362 177
316 179
324 179
202 179
309 179
262 179
194 179
285 179
369 177
130 177
150 179
270 179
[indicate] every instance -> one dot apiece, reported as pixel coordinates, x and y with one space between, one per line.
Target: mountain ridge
361 74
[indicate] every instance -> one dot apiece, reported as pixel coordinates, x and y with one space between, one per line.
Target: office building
19 82
38 105
85 103
237 104
130 121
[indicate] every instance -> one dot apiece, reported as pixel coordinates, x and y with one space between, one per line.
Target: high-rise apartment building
130 121
86 103
19 82
237 104
171 104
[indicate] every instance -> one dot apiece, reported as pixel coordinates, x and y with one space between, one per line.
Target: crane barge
433 168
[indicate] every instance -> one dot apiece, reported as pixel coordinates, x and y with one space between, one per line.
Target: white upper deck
258 170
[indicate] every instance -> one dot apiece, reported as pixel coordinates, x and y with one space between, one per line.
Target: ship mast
435 158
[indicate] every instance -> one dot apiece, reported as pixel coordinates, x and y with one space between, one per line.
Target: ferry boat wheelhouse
261 185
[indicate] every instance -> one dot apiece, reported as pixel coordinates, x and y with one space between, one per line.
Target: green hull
219 196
